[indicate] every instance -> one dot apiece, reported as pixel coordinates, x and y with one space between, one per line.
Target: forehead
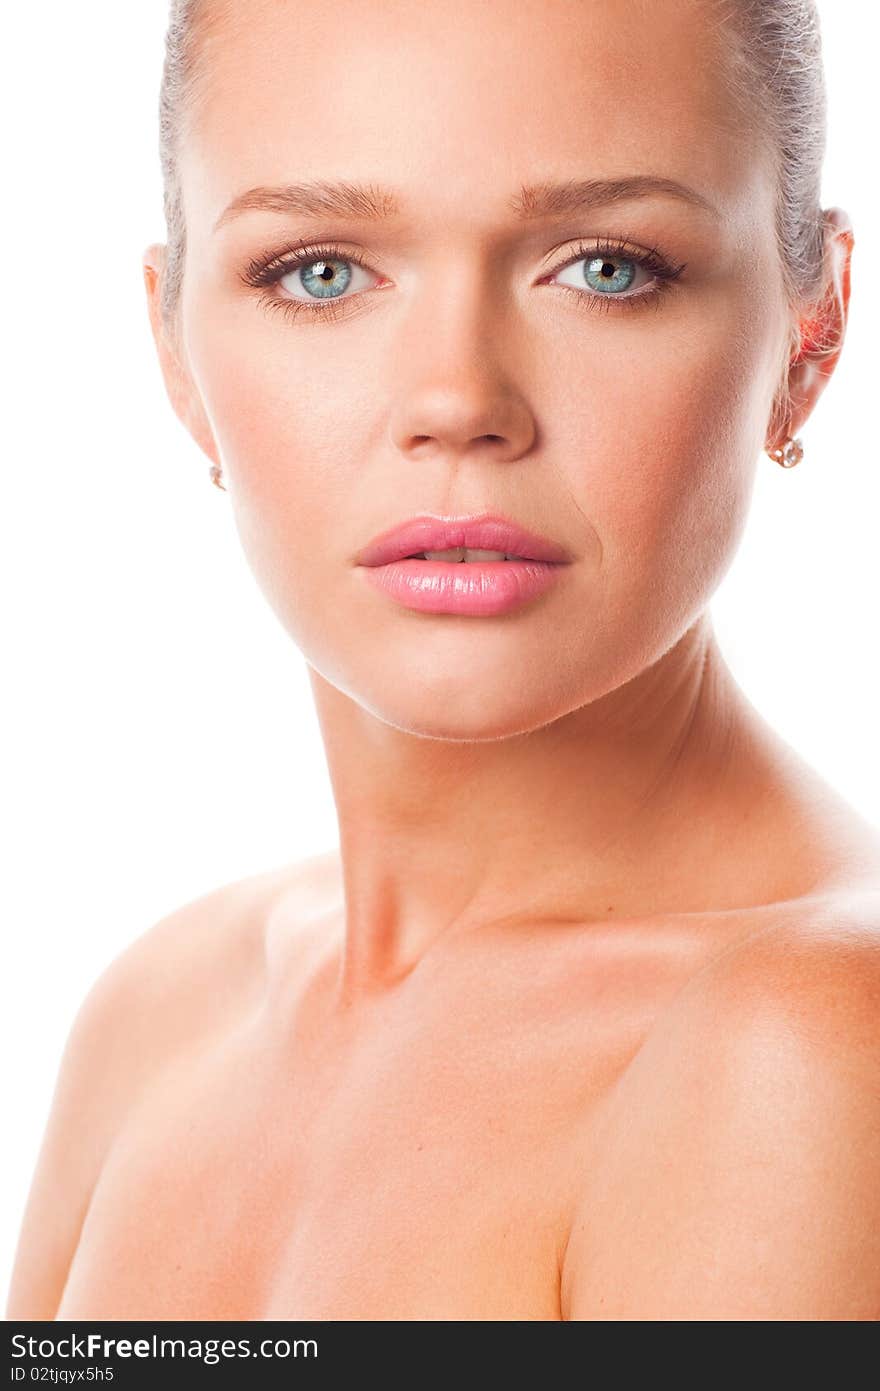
457 103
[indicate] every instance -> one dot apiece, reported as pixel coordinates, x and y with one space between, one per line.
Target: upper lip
485 532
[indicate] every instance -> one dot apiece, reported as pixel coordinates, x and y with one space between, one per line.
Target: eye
314 280
607 273
323 278
613 273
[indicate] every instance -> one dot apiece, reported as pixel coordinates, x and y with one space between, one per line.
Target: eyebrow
367 203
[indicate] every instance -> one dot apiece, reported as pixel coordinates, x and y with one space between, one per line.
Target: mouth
461 541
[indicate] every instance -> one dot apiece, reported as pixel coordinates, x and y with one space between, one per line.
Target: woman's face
472 359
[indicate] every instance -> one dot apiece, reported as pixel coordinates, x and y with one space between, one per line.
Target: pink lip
484 533
477 588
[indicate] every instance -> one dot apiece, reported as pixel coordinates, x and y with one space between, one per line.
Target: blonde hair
777 80
184 78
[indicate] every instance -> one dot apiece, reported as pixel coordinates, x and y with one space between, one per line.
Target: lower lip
479 588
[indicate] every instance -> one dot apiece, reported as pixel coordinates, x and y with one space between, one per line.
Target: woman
580 1021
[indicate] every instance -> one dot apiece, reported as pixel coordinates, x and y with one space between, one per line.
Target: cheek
668 451
293 445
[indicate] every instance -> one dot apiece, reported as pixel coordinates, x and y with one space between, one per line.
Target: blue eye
606 270
326 279
607 273
318 274
608 276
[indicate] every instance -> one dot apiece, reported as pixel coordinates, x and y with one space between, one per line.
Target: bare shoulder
814 972
194 970
737 1174
183 981
187 974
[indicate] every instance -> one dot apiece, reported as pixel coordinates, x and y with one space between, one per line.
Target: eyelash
267 273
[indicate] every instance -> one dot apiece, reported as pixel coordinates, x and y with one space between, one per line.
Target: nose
464 416
456 397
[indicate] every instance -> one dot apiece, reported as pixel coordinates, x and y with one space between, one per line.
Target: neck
628 806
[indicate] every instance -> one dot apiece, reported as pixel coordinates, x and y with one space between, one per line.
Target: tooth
465 554
457 553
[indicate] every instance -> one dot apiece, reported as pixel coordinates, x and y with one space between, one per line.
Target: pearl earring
789 453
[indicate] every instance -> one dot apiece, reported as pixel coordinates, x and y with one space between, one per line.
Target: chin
471 715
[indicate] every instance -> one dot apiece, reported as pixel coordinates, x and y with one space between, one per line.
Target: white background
158 733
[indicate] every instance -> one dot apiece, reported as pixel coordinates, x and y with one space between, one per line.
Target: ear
182 391
820 332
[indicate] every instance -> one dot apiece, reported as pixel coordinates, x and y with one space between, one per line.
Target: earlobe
181 389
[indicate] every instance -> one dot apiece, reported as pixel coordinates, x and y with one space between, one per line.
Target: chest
415 1187
428 1171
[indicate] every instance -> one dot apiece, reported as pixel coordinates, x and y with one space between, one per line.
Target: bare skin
580 1021
515 1128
